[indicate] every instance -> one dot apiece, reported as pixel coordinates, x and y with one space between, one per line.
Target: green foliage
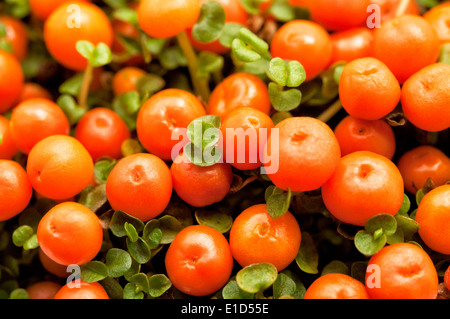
210 23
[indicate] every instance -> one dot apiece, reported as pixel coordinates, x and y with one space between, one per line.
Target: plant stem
201 86
401 9
330 111
84 91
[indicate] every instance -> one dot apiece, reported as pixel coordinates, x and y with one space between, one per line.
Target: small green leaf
253 6
277 117
6 46
116 4
112 287
204 131
21 235
102 169
206 157
419 196
131 146
150 83
217 219
131 291
307 258
86 49
181 212
139 250
72 85
118 262
335 267
102 55
358 270
406 205
256 277
397 237
19 293
282 10
337 73
255 42
131 102
153 45
278 203
367 245
428 3
243 53
408 226
277 71
3 30
445 53
377 234
210 22
284 100
283 286
134 269
170 227
158 285
154 238
209 63
118 220
94 271
126 15
232 291
140 280
93 197
386 222
296 74
31 243
229 32
172 57
70 107
132 233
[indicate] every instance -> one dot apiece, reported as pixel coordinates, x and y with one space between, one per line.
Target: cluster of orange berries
389 66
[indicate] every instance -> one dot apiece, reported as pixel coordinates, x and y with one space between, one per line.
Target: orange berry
421 163
167 18
368 90
239 90
433 216
15 189
70 233
406 44
336 286
59 167
438 17
365 184
86 291
163 119
306 42
339 14
199 261
401 271
36 119
61 33
352 44
257 237
361 135
200 186
425 97
43 290
140 185
7 146
11 81
102 132
307 152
